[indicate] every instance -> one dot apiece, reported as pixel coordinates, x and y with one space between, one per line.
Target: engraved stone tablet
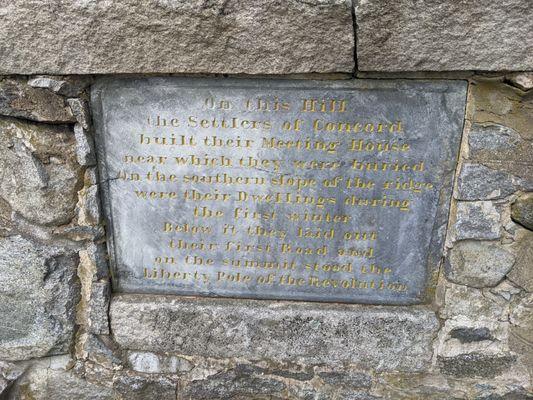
325 191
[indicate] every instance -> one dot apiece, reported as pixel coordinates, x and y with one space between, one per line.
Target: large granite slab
444 35
172 36
369 337
325 191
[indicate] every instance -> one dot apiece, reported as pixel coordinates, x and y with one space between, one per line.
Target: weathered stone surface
218 36
141 387
477 220
68 86
351 380
80 110
242 382
53 378
522 210
475 365
151 363
477 182
501 137
40 176
20 100
469 335
8 374
521 320
98 307
444 35
376 337
84 146
478 264
38 293
522 80
522 272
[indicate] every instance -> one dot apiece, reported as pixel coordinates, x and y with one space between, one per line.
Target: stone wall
63 334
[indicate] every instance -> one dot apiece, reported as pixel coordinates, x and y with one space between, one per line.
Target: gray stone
351 380
98 308
444 36
152 363
129 386
196 36
69 86
328 239
477 182
40 176
101 350
478 264
22 101
84 146
239 383
8 374
523 80
522 272
477 220
80 110
54 378
491 137
472 365
522 210
469 335
373 337
38 293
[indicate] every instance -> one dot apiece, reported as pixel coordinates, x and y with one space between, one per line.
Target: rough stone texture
475 365
19 100
446 35
477 220
8 374
375 337
140 387
522 272
69 86
478 264
84 146
39 174
219 36
522 80
522 210
54 378
151 363
477 182
521 320
501 137
38 293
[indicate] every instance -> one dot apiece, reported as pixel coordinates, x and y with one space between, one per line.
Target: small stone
521 321
491 137
45 82
39 295
22 101
478 264
101 350
522 272
477 220
477 182
142 387
522 210
98 308
469 335
240 382
51 378
84 146
522 80
347 379
151 363
80 109
89 213
471 365
8 374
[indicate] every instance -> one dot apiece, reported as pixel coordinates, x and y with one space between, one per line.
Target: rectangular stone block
171 36
447 35
377 337
324 191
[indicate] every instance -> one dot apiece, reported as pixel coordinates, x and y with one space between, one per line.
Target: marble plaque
331 191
